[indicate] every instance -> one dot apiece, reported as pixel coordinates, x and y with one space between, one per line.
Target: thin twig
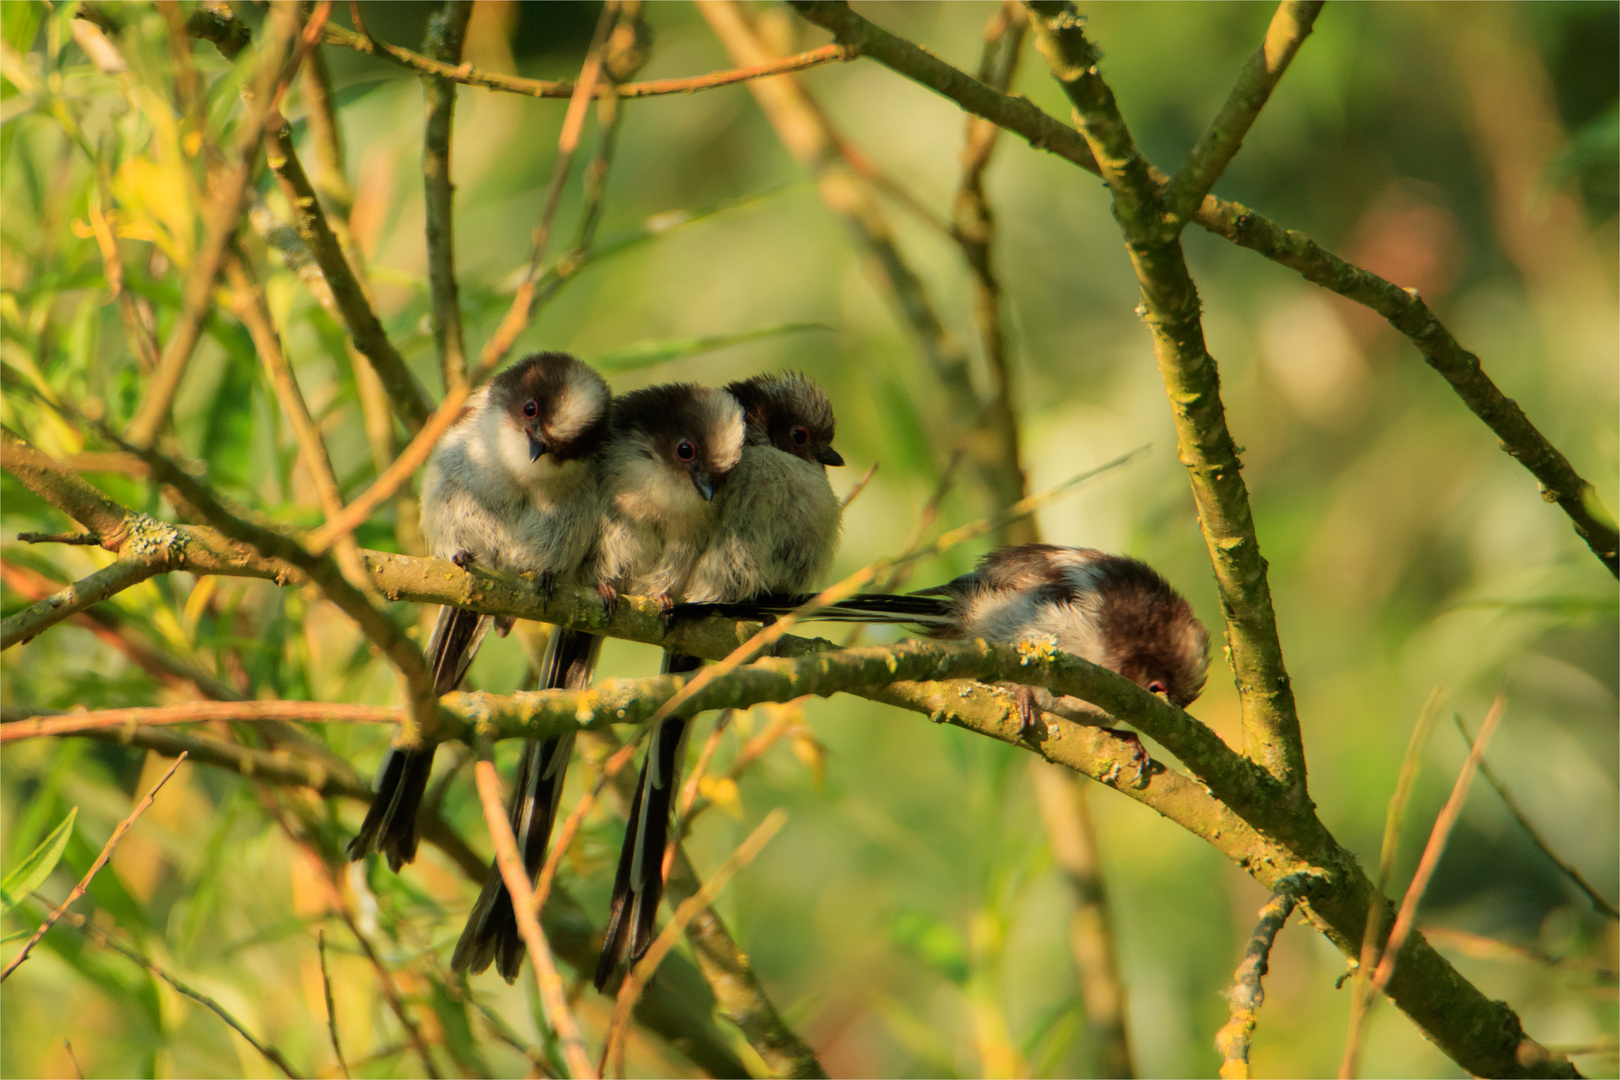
1604 908
249 304
331 1009
1360 1000
1478 945
107 582
194 712
631 988
77 1068
270 1053
95 868
545 88
521 312
1407 913
83 539
225 208
1247 994
560 1016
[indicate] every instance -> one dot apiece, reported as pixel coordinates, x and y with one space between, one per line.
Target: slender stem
1569 870
270 1053
519 315
95 868
1379 910
445 31
331 1009
546 88
637 979
249 304
25 724
510 862
109 581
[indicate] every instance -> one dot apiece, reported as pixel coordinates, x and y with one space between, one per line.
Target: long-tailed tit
512 486
775 528
1113 610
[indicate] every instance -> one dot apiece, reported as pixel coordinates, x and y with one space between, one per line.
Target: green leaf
647 353
15 935
31 873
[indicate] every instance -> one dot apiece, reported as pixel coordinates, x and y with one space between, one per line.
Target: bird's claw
463 558
610 598
1028 715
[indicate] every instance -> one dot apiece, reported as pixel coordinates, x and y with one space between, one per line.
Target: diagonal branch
1404 310
1290 25
1192 382
249 304
109 581
89 875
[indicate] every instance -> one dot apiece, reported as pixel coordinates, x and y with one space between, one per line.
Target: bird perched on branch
774 527
1116 611
512 486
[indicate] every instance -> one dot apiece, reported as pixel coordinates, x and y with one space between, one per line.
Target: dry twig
95 868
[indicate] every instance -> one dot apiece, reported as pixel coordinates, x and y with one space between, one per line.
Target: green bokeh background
909 920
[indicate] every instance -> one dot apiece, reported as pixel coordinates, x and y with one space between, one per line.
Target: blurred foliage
910 922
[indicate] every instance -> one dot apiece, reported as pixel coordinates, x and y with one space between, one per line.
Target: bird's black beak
705 484
537 446
828 456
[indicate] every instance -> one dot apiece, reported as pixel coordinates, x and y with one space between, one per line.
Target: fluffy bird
512 486
1116 611
774 528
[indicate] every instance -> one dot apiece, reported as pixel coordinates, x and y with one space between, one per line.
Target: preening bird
1113 610
774 527
512 486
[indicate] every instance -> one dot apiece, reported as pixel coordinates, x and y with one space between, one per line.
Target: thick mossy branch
1519 437
1482 1035
1192 383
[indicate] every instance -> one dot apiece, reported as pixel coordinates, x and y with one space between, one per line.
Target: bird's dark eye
685 450
1157 687
530 409
801 435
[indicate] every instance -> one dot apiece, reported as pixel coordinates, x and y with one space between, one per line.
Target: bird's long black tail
390 825
639 885
491 933
910 609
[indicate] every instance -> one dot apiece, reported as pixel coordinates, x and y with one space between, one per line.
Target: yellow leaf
809 749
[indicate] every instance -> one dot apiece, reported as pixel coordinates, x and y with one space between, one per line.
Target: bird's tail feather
390 825
909 609
491 933
639 883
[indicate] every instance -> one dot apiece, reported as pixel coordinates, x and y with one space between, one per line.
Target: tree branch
1290 25
1404 310
1482 1035
1192 383
445 30
1247 994
108 581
